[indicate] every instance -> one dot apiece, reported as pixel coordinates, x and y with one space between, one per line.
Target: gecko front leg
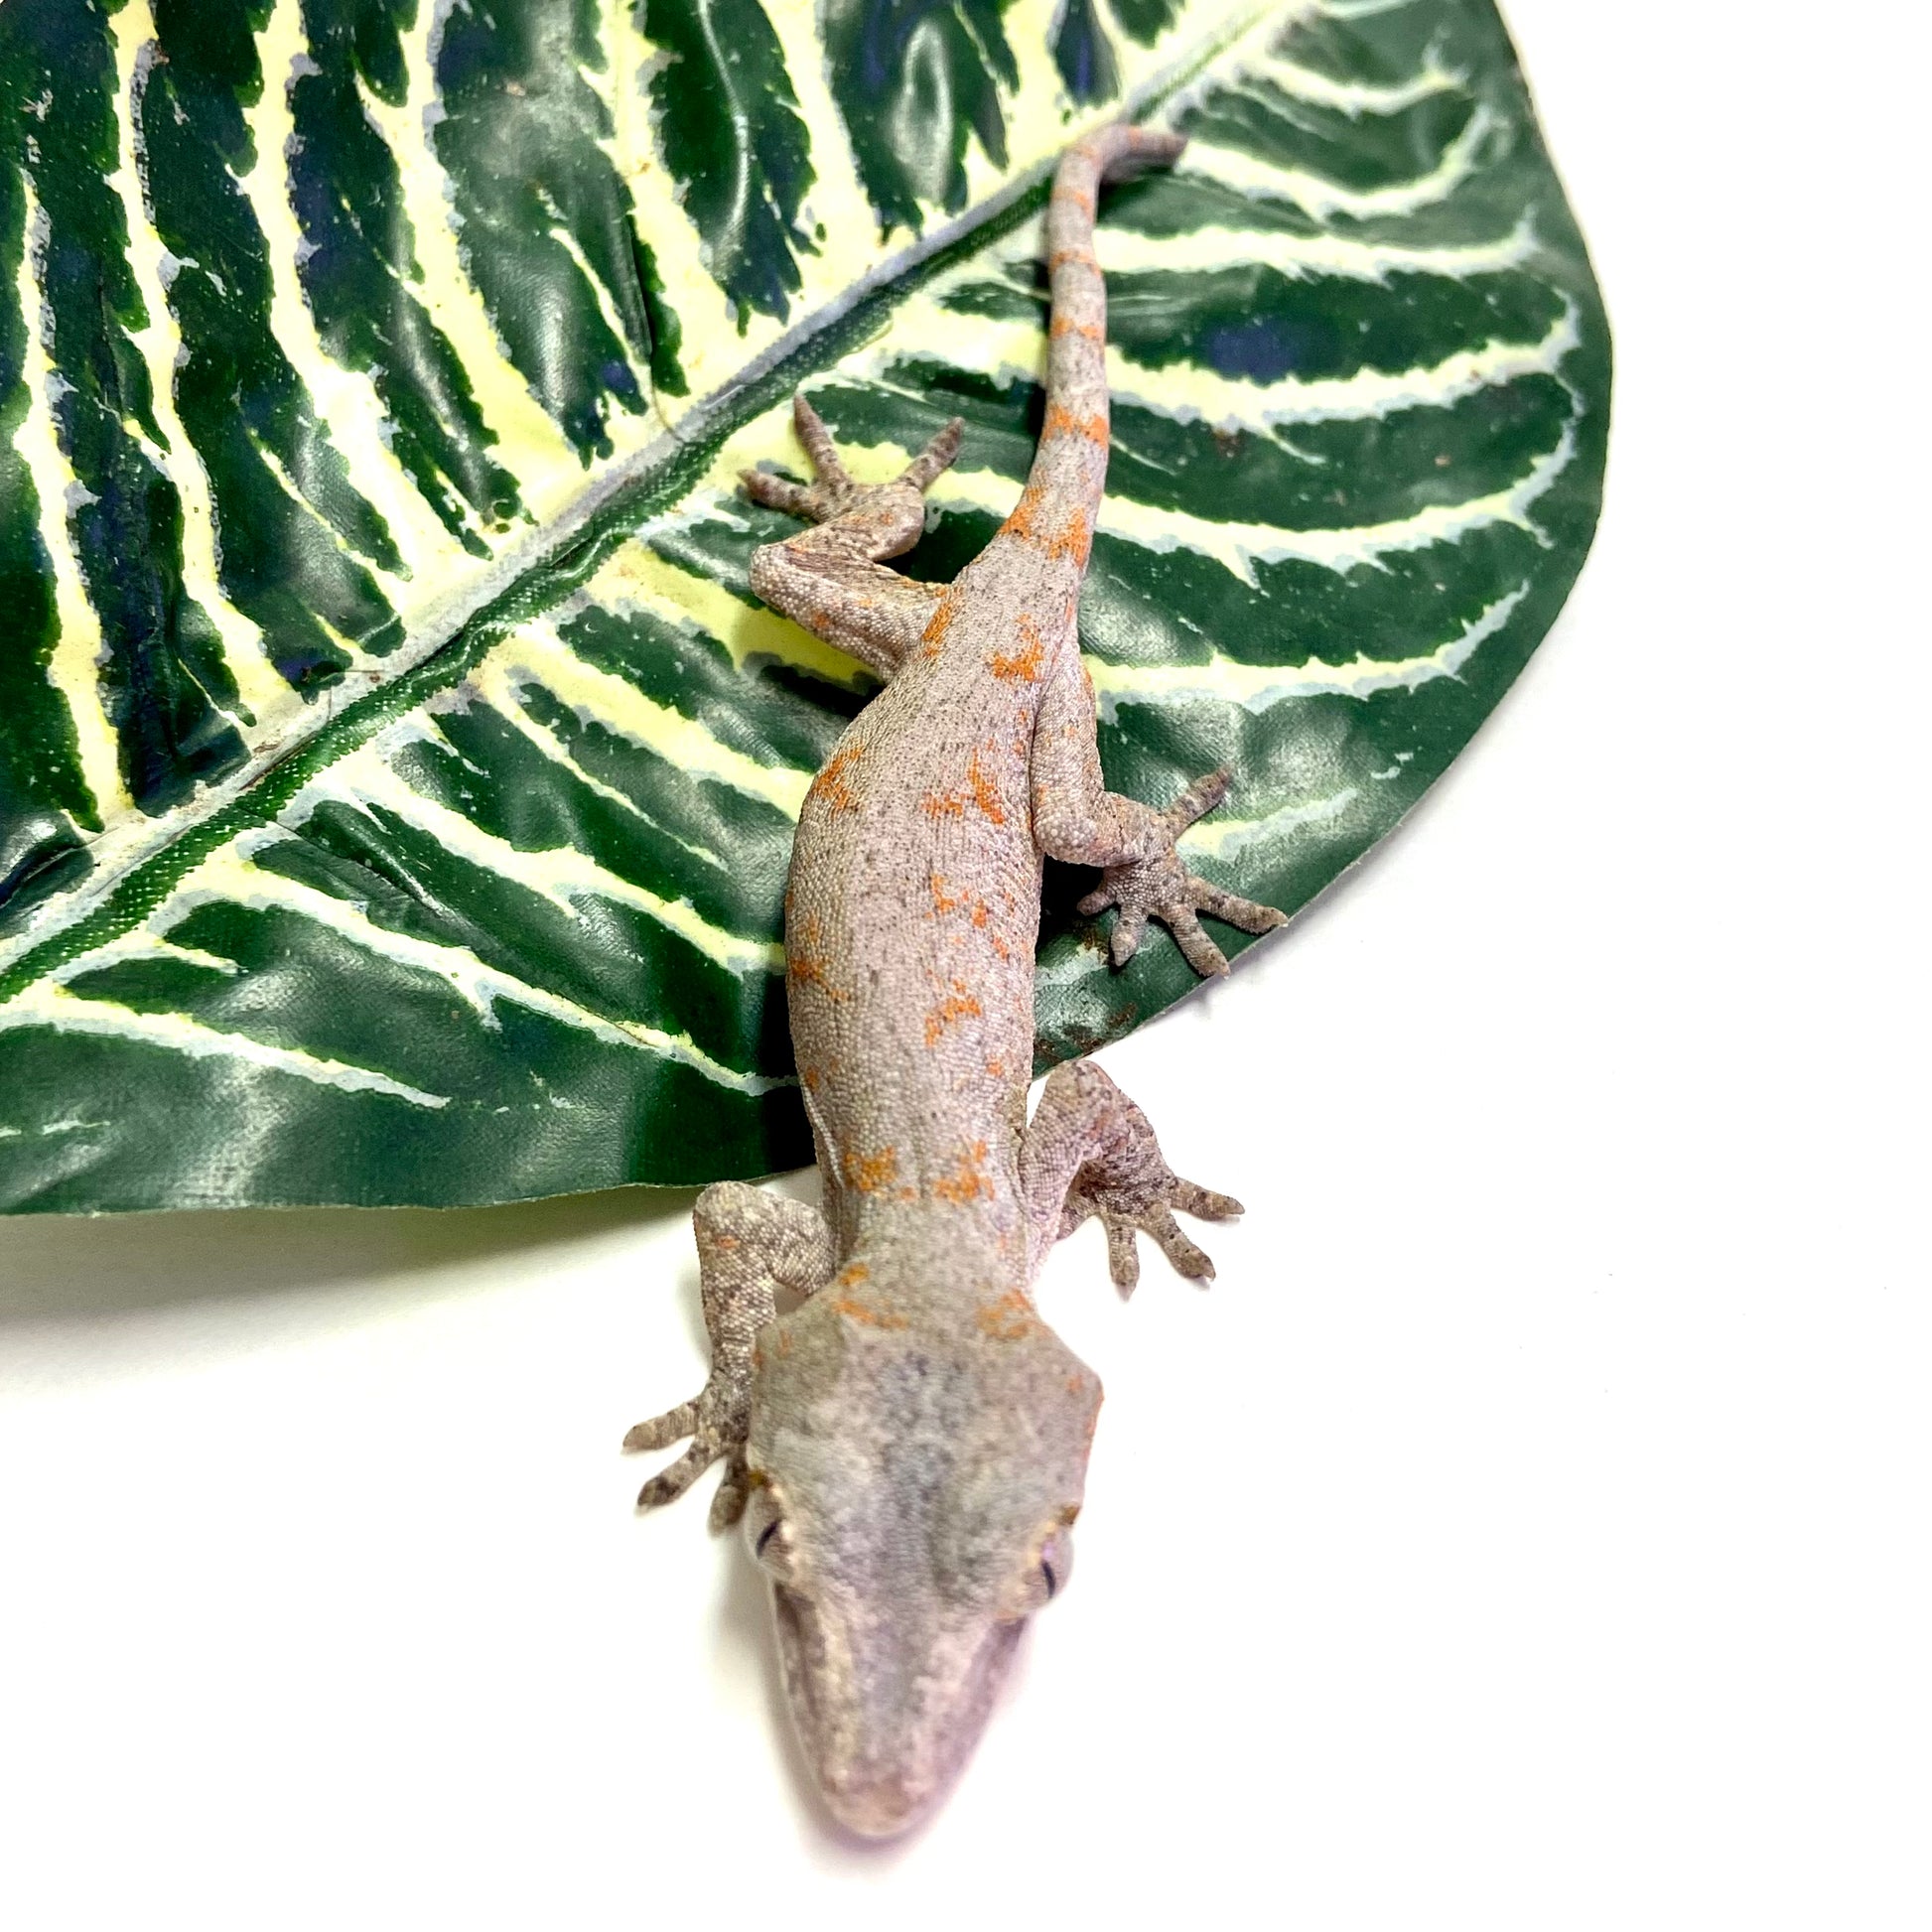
1077 819
1088 1149
829 577
750 1245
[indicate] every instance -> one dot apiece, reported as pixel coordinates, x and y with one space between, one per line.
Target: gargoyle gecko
908 1447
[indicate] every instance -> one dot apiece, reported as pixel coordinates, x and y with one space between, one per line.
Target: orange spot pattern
968 1182
1021 523
1069 325
805 964
985 794
1075 541
1063 422
852 1276
1081 256
866 1174
959 1004
1025 666
855 1311
938 624
830 783
1010 1318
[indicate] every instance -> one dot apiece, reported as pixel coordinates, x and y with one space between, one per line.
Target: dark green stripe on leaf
164 684
519 138
295 534
729 124
1146 20
914 81
1085 55
346 192
41 790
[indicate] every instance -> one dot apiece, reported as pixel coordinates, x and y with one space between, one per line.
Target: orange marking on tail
1067 326
1075 541
869 1172
1063 422
1025 666
1021 523
997 1067
959 1004
935 806
830 783
852 1276
1077 195
1081 256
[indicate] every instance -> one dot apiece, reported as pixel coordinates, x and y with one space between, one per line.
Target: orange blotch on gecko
866 1174
959 1004
1063 422
968 1182
1075 541
830 784
1025 664
864 1311
1010 1317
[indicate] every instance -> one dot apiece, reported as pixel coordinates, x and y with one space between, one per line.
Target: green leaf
915 81
357 263
548 235
1085 55
498 913
733 136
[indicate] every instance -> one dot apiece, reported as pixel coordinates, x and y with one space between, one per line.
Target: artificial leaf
479 895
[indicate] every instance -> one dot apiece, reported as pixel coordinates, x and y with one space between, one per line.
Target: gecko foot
887 517
1122 1175
1163 888
716 1424
1125 1211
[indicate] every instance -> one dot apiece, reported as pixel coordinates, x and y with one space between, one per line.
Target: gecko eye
766 1535
1044 1576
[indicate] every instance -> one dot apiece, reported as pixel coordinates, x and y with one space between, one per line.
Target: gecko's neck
975 1248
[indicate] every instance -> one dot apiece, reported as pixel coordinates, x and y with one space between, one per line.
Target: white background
1530 1528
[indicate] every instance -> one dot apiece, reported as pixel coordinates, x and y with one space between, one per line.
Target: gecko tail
1069 473
1122 151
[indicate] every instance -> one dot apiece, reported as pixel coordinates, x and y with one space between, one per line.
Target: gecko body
908 1446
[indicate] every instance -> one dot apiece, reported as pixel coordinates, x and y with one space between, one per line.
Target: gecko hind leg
750 1245
830 578
1089 1151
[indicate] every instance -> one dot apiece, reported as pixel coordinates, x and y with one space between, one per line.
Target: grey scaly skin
908 1447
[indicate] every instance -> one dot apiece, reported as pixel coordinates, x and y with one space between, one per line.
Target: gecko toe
661 1432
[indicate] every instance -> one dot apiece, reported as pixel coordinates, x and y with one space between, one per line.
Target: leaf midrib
608 509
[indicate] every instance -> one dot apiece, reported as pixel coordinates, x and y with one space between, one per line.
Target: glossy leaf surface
397 771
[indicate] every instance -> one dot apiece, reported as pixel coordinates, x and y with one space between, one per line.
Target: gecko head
915 1474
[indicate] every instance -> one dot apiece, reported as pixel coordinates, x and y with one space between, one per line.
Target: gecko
907 1446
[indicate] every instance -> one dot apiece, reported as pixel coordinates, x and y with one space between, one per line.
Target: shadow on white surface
56 1266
